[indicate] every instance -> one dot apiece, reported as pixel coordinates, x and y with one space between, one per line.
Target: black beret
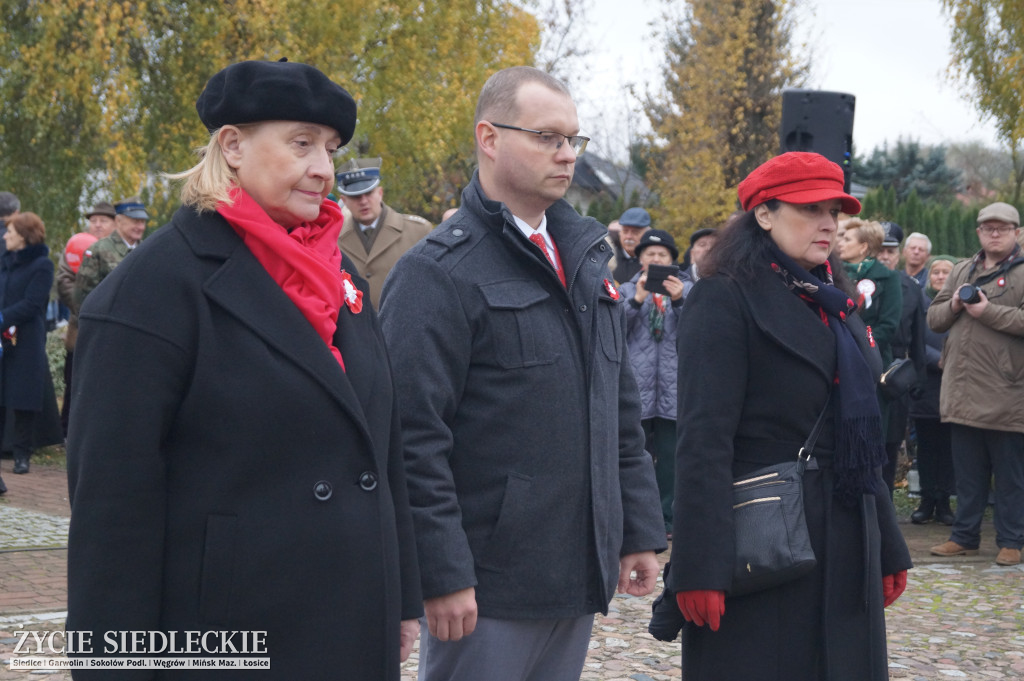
254 91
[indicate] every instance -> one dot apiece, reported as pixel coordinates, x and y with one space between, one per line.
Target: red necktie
538 241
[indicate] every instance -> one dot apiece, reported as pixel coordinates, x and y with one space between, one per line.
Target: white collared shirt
527 231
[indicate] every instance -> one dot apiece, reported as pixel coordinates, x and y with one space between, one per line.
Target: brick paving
960 618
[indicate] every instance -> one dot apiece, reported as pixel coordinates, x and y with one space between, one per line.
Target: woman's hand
641 293
409 632
893 587
702 607
674 286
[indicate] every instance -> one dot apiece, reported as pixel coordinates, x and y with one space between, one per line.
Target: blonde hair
871 233
207 183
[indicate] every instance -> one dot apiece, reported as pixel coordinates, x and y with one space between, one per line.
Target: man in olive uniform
377 236
100 224
107 253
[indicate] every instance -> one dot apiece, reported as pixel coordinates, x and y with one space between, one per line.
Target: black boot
924 512
3 487
943 513
21 463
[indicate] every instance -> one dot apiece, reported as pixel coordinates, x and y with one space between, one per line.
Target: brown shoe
1008 557
951 548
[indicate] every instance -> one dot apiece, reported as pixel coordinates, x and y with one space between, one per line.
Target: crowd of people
349 429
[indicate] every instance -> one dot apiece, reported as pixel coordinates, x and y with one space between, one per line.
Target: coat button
457 232
583 308
602 247
368 481
369 275
323 490
593 259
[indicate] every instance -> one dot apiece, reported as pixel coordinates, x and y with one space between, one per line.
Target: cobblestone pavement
962 619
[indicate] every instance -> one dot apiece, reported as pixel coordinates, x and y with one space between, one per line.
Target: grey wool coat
226 474
759 366
524 453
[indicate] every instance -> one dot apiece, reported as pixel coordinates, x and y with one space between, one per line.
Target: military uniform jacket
226 474
520 414
396 234
98 261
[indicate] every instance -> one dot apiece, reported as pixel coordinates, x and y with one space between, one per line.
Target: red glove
702 606
893 587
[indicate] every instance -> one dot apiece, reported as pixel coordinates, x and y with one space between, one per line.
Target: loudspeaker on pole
819 121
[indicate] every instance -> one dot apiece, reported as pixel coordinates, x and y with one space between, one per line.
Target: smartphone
656 275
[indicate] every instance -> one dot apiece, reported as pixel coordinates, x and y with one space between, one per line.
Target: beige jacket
983 358
397 234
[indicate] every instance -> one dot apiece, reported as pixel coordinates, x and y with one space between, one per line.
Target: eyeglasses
996 229
551 141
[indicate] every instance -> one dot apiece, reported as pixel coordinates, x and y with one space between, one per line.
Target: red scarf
305 262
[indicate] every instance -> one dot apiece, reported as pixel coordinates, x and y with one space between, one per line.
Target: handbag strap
808 449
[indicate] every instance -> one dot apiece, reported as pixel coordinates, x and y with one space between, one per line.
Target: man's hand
646 569
674 286
453 616
975 309
410 630
641 293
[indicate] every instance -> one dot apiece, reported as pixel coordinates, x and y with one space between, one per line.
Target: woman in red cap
769 343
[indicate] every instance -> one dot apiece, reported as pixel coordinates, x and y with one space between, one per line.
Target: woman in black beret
233 458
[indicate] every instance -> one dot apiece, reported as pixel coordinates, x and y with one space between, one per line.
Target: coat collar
573 234
783 316
244 289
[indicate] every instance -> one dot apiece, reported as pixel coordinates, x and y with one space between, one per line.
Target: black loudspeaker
818 121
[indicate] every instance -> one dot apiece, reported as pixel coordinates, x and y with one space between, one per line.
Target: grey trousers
978 455
509 650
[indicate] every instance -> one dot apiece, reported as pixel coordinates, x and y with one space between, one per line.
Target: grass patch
53 456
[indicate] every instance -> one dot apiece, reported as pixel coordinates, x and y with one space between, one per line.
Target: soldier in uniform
101 224
377 236
104 255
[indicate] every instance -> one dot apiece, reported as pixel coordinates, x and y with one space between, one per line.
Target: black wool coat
25 280
225 474
756 364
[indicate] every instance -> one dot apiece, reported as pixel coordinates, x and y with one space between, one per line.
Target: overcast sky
891 55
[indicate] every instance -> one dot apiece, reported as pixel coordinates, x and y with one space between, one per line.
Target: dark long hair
743 249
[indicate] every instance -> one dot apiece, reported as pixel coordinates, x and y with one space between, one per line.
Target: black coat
25 280
226 474
756 364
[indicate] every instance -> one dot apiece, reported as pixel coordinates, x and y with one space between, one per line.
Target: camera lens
969 294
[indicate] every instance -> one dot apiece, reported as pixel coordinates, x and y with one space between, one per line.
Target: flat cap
101 208
635 217
1003 212
254 91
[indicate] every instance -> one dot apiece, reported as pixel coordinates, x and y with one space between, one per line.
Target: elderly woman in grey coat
651 337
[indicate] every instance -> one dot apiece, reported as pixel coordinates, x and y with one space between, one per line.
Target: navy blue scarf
860 447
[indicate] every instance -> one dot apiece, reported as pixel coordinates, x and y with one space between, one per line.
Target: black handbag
897 380
773 545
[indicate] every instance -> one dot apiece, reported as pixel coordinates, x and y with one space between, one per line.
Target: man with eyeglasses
983 384
532 496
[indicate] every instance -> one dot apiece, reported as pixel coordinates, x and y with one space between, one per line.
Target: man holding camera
983 384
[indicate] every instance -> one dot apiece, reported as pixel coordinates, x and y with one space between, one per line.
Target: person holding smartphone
652 299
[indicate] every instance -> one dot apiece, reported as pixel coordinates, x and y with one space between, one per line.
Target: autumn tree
728 62
988 61
99 97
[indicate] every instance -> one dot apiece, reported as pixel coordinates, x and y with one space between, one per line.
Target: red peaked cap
796 177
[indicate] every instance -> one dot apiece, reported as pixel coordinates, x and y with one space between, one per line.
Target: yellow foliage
99 97
728 63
